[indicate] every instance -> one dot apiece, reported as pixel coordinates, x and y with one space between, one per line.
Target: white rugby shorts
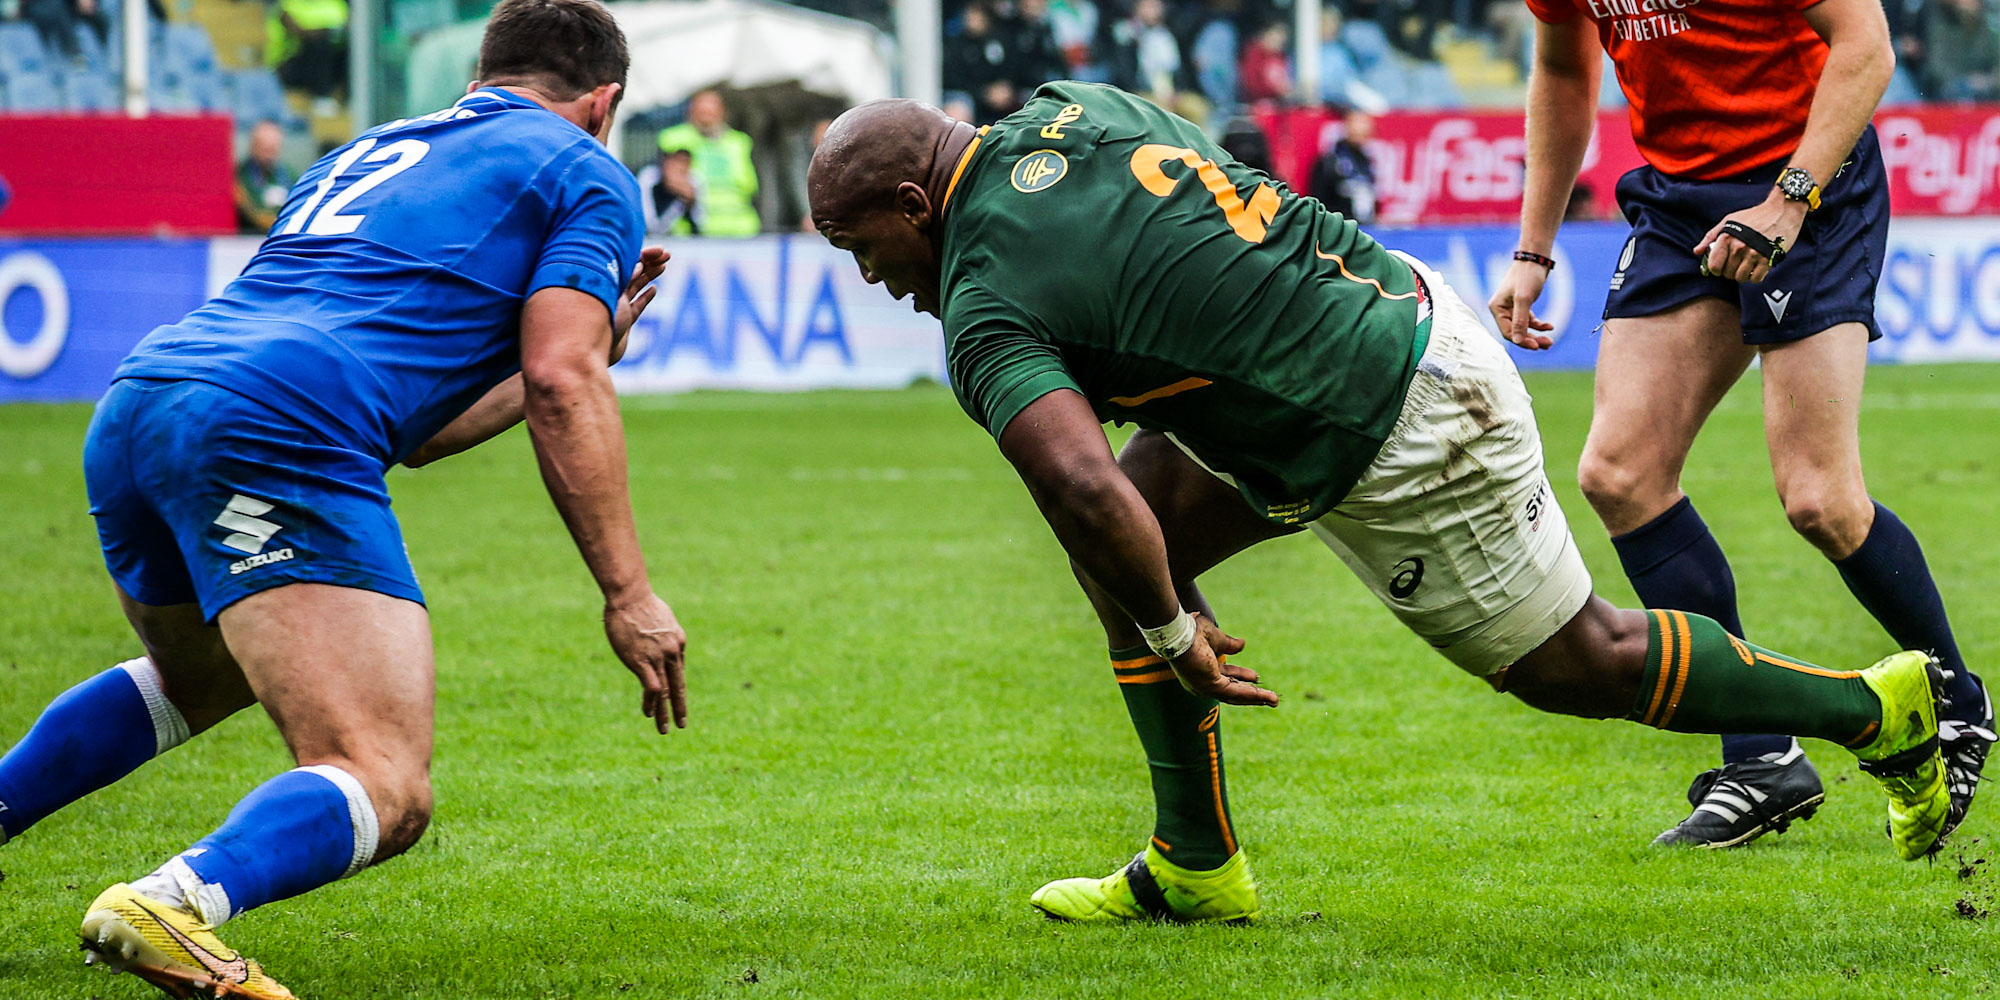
1453 526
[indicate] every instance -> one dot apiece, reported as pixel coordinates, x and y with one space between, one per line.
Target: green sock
1701 679
1182 734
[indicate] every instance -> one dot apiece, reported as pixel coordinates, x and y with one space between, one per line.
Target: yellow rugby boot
169 948
1153 888
1904 755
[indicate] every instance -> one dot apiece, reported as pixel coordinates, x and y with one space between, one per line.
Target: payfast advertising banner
1465 166
1446 167
789 312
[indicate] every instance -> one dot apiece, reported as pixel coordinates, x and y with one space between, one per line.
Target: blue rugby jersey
387 298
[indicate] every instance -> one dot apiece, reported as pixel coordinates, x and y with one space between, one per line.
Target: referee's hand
1725 256
1513 306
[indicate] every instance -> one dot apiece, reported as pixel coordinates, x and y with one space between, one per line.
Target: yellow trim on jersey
1351 276
1162 392
959 171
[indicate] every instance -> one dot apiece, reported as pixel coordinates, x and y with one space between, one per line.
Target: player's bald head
877 185
871 151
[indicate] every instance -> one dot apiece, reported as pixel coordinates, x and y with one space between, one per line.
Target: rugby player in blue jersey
425 287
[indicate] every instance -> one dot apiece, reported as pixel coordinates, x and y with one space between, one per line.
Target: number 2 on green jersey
1247 221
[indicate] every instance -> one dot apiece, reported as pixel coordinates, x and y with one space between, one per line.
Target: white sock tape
170 728
208 900
367 830
1173 638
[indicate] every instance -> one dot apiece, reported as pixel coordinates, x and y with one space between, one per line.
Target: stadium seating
31 80
91 92
21 51
183 76
255 94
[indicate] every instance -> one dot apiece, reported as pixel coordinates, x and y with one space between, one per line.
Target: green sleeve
997 366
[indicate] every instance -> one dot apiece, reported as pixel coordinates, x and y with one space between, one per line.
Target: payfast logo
1960 168
1457 163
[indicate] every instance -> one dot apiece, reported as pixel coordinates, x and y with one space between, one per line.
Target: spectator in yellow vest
722 168
306 42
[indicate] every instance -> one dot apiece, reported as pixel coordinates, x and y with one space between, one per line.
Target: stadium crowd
304 43
1210 58
1212 61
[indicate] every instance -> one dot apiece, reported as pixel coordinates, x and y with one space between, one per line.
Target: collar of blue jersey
508 98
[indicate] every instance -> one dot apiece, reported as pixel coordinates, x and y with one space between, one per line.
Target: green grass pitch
903 723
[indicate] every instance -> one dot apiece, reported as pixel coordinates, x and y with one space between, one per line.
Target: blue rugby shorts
204 495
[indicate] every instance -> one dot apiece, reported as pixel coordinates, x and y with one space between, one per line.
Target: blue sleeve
594 238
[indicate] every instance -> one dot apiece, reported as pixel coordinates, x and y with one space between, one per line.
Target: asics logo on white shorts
242 515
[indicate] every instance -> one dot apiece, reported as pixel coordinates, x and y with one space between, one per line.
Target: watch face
1796 184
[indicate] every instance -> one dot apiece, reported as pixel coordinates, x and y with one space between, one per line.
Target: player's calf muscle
1592 667
405 824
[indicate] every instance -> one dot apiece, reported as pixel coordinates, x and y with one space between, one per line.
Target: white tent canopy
681 46
782 68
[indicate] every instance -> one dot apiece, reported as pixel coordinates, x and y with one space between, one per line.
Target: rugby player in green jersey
1094 258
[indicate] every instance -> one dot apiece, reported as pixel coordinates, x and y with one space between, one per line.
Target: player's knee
1592 668
1613 485
1834 524
204 693
1587 689
399 795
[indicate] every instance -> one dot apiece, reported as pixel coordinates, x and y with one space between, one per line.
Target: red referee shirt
1717 87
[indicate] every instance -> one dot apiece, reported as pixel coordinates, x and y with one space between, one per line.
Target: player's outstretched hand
1513 306
1725 256
649 640
1202 670
636 296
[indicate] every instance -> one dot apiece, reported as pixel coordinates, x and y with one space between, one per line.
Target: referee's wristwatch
1797 184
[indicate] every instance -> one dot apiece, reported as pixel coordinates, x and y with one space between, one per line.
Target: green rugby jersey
1095 242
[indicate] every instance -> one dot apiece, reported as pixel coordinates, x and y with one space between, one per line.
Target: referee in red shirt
1758 229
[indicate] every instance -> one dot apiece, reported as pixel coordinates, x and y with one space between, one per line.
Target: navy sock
90 736
1674 563
1888 575
292 834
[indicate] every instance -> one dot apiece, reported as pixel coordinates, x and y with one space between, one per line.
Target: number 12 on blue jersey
395 158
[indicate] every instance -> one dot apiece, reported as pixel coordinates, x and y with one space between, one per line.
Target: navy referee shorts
1827 279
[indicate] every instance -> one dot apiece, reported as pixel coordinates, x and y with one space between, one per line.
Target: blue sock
1674 562
294 833
1888 575
92 735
